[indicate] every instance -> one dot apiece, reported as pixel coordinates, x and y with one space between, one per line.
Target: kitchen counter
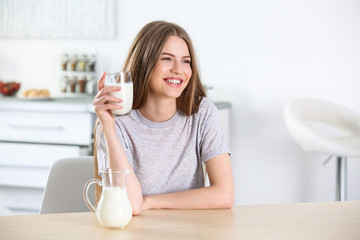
83 104
222 105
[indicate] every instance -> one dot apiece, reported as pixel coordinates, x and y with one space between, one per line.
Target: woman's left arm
220 193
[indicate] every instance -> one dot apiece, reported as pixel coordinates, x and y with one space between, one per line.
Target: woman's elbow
136 211
228 202
227 199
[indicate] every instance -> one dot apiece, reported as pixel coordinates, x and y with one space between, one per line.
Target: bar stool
300 113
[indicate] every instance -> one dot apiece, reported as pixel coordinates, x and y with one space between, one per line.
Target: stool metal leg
341 178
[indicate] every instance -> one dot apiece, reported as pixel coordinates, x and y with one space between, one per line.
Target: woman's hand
101 102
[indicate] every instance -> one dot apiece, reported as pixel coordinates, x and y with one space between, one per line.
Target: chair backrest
64 188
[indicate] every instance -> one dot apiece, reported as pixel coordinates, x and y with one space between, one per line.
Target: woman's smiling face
172 72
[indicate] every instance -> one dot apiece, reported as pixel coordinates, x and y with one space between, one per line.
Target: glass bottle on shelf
64 62
81 63
91 63
73 61
91 85
72 83
64 84
82 84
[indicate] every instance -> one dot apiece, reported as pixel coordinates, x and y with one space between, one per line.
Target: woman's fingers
105 99
106 107
107 90
104 111
104 104
101 81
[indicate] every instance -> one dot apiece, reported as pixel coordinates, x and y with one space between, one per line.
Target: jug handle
85 193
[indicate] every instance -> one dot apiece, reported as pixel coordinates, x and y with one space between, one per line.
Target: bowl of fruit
9 88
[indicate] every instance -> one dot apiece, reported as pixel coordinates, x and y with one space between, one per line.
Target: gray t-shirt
166 156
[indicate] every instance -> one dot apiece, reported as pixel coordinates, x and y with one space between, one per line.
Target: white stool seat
301 113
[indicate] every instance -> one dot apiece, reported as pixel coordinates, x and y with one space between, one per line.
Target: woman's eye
167 59
187 61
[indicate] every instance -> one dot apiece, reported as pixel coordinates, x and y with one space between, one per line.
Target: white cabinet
32 136
26 164
45 127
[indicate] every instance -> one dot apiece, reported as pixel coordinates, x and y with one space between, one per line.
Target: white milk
126 94
114 209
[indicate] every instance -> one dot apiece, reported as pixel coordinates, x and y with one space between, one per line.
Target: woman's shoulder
206 108
206 105
126 119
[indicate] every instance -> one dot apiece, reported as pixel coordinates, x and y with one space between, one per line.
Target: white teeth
175 81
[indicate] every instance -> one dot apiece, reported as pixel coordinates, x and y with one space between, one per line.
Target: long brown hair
143 56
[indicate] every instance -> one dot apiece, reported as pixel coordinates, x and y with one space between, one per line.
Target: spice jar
64 61
91 63
63 86
91 87
82 84
81 63
72 83
73 61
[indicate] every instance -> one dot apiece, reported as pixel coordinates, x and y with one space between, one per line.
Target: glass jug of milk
114 209
123 80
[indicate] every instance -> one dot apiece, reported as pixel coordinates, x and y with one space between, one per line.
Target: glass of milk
123 80
114 209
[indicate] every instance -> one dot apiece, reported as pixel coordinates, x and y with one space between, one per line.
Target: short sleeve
213 142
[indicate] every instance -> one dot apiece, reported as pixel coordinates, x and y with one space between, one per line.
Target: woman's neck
159 110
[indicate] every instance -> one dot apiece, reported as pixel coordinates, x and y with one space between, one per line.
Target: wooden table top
325 220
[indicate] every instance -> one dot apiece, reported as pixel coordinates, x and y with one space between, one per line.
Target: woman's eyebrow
172 55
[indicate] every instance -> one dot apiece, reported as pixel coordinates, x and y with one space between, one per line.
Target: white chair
64 188
300 113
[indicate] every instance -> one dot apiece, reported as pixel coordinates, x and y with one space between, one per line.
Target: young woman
172 129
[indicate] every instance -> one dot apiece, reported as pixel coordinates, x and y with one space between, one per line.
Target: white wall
258 55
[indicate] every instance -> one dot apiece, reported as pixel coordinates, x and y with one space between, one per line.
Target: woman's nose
176 68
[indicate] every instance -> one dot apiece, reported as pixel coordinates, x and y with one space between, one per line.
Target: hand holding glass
123 80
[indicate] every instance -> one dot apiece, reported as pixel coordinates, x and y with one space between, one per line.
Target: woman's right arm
116 154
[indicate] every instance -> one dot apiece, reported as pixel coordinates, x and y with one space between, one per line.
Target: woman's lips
173 82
